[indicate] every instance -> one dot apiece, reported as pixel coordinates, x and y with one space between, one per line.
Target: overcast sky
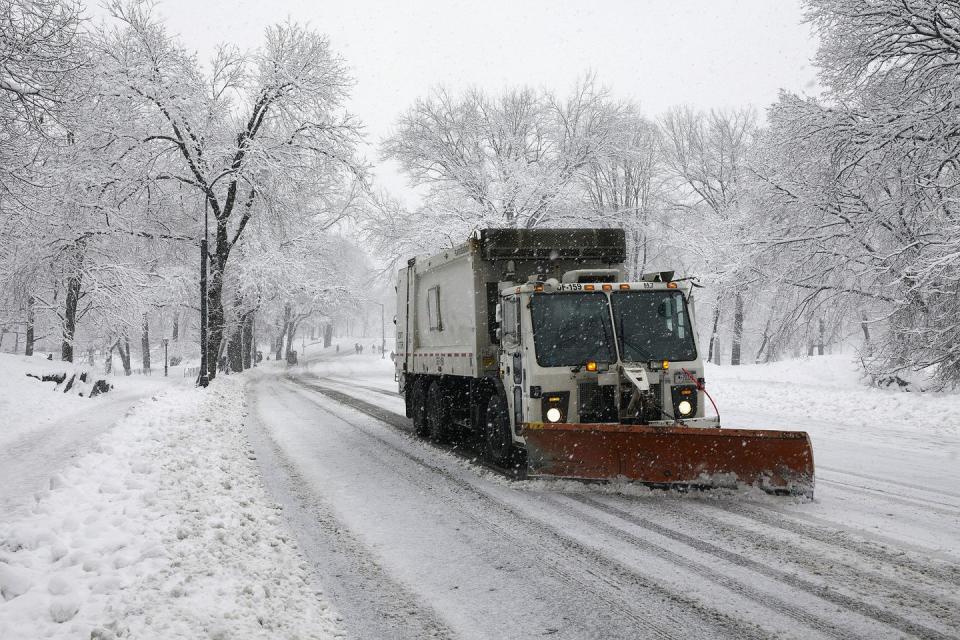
709 53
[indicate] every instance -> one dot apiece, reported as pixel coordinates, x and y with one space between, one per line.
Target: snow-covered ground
161 530
293 502
42 428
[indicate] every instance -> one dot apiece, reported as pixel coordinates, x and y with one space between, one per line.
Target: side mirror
498 316
394 319
499 332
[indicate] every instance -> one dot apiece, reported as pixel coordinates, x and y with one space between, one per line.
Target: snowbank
162 531
827 395
28 404
364 367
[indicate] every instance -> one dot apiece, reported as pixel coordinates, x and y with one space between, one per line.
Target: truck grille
596 403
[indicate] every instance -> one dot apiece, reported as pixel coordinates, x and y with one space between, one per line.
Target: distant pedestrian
338 347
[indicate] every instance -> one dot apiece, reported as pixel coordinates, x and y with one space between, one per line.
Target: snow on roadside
830 389
28 405
162 530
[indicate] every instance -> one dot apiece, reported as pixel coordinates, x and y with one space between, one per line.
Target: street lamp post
166 360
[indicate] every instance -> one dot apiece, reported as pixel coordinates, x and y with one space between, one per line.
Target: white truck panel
446 304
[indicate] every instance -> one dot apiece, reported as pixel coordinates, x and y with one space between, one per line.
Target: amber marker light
588 287
671 285
591 366
538 288
666 364
624 287
608 287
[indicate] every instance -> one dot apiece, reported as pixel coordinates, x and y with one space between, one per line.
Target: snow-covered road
411 541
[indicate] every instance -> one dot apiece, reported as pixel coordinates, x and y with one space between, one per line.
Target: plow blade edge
777 461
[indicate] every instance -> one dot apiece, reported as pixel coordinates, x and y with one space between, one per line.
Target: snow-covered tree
269 120
510 160
863 181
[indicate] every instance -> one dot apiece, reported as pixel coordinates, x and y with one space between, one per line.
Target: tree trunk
327 335
865 327
235 349
820 342
712 349
176 327
737 328
215 318
291 334
70 316
125 355
31 319
108 361
247 340
145 344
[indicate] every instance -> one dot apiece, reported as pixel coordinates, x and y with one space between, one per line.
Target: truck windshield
571 329
653 325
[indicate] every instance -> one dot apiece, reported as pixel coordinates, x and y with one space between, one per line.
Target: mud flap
776 461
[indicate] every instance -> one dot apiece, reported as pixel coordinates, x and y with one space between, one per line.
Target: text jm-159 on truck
535 342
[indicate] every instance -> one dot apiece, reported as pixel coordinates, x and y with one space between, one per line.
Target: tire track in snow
897 483
811 562
850 603
373 603
949 573
821 591
733 584
916 502
732 626
558 567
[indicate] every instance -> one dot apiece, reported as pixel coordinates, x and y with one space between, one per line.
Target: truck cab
590 349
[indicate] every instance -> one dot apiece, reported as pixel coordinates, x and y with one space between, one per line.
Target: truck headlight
684 401
553 405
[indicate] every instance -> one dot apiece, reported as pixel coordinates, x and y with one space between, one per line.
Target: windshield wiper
625 342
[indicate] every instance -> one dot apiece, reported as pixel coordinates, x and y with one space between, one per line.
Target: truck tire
437 414
497 436
418 408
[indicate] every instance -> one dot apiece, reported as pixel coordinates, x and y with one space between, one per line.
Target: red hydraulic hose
700 387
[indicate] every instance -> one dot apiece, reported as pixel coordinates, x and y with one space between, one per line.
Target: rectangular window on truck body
433 309
653 325
571 329
510 322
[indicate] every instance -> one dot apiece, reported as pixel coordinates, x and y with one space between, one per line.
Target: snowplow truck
534 344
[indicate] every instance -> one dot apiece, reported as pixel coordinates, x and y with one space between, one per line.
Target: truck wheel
497 434
438 414
418 408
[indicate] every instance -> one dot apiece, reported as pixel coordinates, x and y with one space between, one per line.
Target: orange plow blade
776 461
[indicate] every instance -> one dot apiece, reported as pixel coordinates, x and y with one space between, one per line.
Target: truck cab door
511 357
